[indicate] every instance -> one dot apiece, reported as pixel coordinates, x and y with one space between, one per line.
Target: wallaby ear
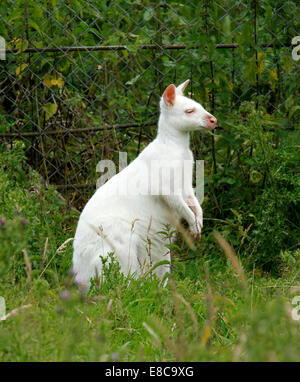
169 95
180 88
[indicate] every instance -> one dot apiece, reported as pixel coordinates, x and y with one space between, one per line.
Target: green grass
204 313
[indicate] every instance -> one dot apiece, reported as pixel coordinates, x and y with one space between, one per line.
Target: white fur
128 224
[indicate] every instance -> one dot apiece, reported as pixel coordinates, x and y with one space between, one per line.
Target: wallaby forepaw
195 231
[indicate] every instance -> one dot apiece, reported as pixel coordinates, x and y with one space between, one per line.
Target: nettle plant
256 188
33 220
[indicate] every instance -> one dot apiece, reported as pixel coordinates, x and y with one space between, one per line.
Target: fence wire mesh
82 79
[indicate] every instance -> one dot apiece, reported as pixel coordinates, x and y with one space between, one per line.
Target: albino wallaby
126 215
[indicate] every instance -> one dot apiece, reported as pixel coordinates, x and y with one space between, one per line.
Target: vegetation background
64 106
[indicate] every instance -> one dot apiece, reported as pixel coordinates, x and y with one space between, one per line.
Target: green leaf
293 110
148 14
20 69
34 25
133 48
227 180
22 45
227 25
133 81
158 264
50 109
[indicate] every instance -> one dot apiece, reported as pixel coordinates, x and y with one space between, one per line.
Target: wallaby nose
211 121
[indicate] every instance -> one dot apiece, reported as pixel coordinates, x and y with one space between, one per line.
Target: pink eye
189 111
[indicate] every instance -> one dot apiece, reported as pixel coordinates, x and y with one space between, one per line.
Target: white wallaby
127 214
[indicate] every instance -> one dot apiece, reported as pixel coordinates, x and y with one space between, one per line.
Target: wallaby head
183 113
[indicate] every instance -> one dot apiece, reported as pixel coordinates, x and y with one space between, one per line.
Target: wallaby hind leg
119 241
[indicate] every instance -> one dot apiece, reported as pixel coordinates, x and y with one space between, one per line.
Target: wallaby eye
189 111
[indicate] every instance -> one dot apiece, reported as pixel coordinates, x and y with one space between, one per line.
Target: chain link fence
82 79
